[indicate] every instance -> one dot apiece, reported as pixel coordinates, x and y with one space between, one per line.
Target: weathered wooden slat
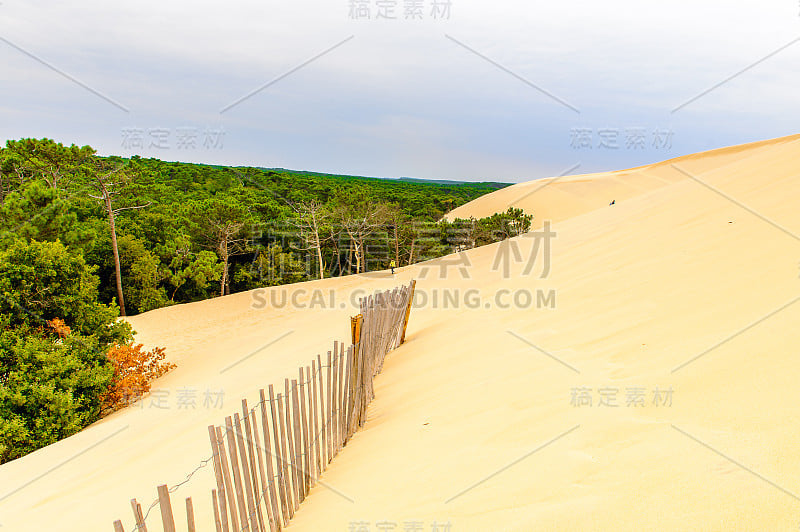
298 442
253 456
334 404
286 458
410 302
215 504
237 475
323 423
340 397
328 410
166 508
261 488
306 439
190 515
290 438
315 422
221 504
229 485
279 452
247 475
355 399
138 517
269 479
346 393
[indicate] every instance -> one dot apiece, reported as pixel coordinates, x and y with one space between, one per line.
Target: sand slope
481 396
559 198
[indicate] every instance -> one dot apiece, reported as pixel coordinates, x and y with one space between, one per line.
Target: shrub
40 281
50 387
134 369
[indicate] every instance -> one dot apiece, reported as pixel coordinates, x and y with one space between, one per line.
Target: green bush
50 388
51 378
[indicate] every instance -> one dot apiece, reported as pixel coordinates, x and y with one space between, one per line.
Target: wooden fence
267 458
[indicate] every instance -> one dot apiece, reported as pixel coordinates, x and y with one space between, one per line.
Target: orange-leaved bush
134 370
59 327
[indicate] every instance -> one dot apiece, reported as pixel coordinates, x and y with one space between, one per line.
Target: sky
507 90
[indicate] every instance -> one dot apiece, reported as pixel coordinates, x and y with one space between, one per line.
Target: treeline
187 232
84 239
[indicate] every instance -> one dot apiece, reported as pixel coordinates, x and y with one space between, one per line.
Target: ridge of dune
559 198
677 287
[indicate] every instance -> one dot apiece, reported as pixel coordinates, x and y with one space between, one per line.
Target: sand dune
675 287
559 198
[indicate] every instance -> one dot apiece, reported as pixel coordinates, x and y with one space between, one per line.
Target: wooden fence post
323 423
215 504
252 458
137 515
304 425
315 421
270 480
166 508
226 475
412 287
334 396
262 474
298 442
328 408
355 328
307 403
212 436
189 515
252 512
291 445
347 393
340 397
285 460
237 475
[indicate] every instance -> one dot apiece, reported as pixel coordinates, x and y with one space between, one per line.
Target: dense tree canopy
80 234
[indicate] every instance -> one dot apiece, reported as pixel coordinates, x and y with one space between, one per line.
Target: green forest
85 239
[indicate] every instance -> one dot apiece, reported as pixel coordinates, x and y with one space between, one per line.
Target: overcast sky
504 90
